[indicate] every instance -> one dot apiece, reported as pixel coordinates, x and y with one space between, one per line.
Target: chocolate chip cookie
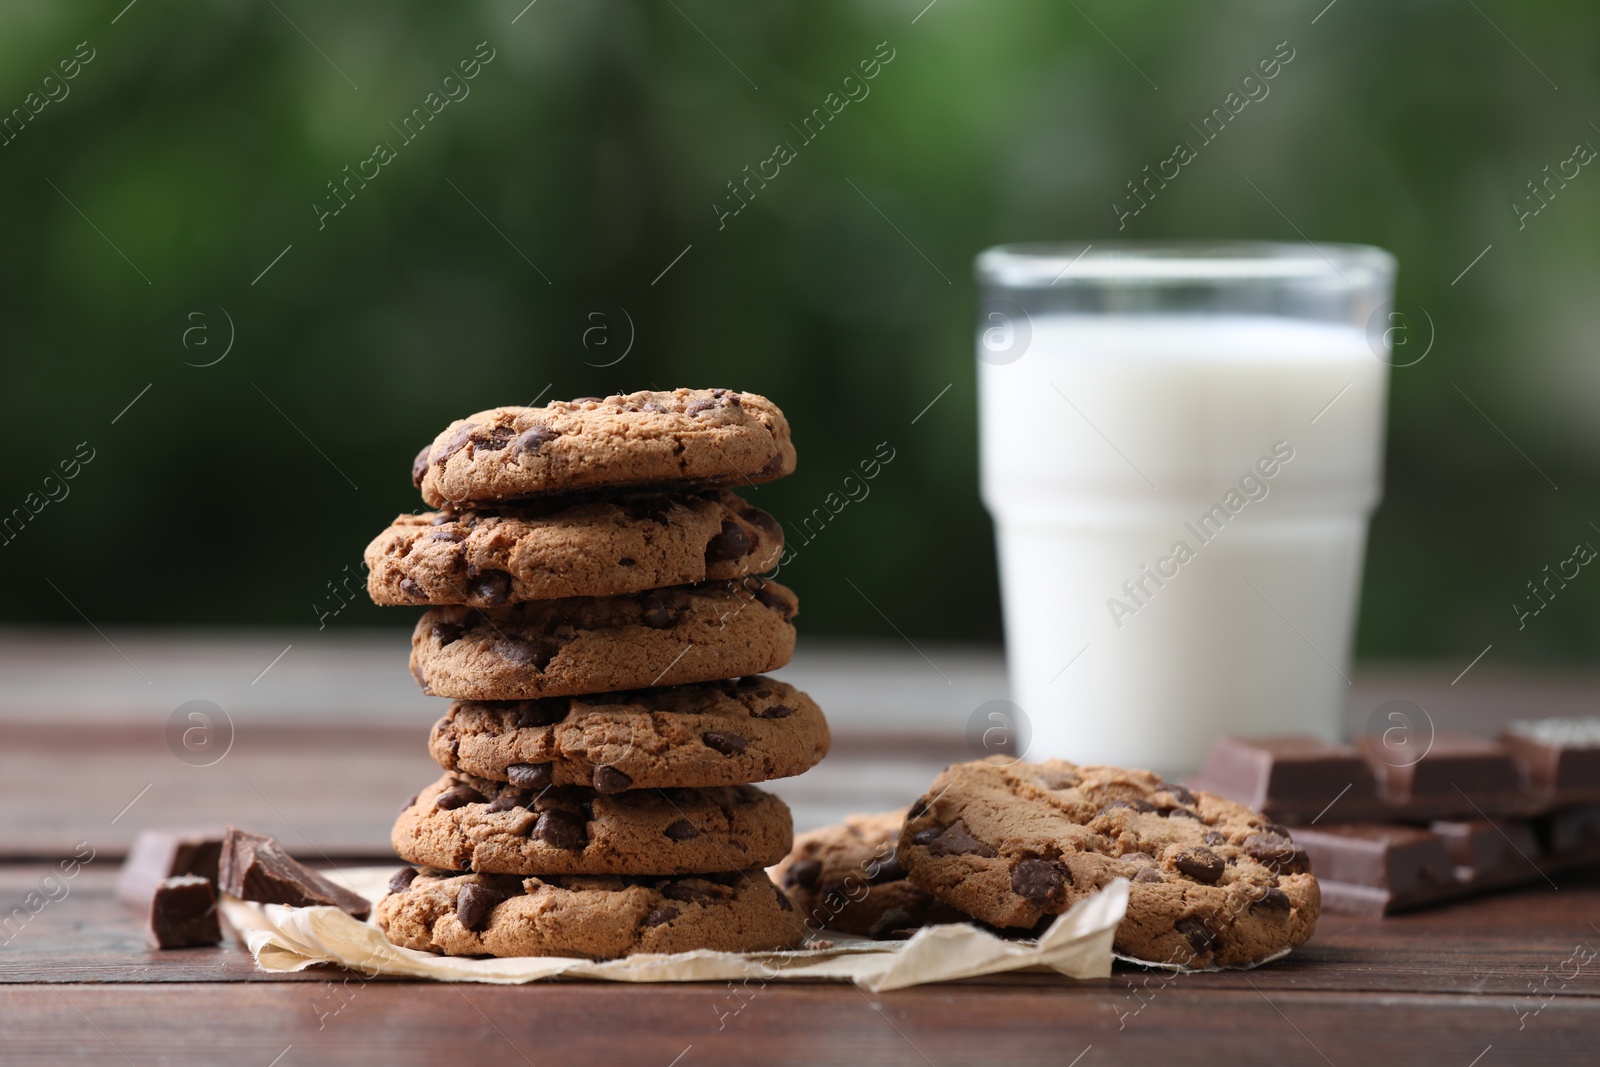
542 648
714 733
463 823
1212 883
594 548
593 916
847 877
686 437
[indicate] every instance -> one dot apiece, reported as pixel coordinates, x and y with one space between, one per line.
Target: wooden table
1512 977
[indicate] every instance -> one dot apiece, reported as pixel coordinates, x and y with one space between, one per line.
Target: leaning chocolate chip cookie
462 823
847 877
593 916
543 648
713 733
686 437
1213 883
594 548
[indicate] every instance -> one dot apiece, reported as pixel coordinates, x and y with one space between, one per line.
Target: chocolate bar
1570 839
183 913
160 854
1296 779
1456 777
255 867
1559 758
1374 869
1293 778
1490 854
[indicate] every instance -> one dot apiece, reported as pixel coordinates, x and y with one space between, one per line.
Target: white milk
1170 412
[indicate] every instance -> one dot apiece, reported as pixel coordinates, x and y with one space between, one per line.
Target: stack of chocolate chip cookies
596 615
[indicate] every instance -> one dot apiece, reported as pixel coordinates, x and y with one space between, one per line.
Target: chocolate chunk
530 775
688 892
1058 779
419 466
653 407
918 809
730 543
627 561
508 802
610 780
763 522
1039 880
1182 813
653 612
492 588
1277 852
697 406
776 711
664 914
255 867
402 879
1182 795
491 440
456 442
1133 803
183 913
956 840
893 925
545 711
771 467
888 869
561 829
451 536
681 830
1201 937
535 652
1213 838
724 742
532 440
458 796
803 873
157 855
926 836
1273 899
1148 874
1201 864
767 596
447 633
783 899
410 588
474 904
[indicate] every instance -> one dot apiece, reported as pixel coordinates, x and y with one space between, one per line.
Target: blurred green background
194 146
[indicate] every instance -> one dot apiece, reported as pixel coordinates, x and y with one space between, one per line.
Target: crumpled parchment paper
1077 944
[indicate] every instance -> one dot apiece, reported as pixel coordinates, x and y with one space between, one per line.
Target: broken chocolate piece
255 867
1559 758
183 913
160 854
1292 778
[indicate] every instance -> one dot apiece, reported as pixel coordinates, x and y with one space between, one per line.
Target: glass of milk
1181 445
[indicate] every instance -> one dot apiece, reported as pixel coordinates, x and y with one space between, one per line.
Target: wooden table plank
694 1025
1505 944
